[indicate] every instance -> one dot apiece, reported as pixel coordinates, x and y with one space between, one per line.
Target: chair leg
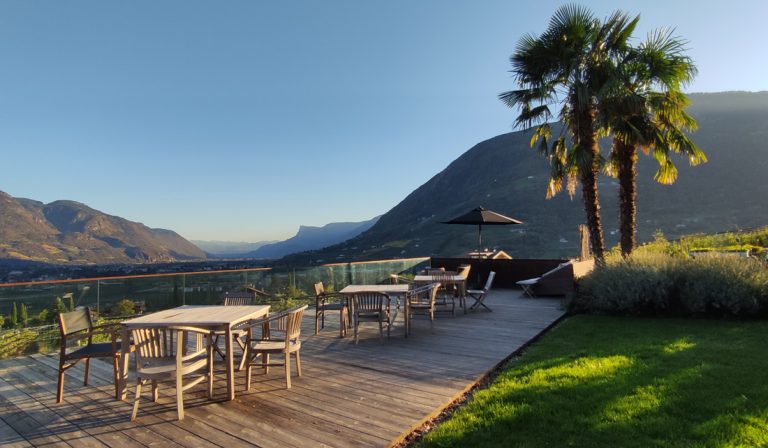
317 318
298 364
60 390
210 364
381 330
87 369
155 391
265 362
179 396
248 368
357 324
115 374
287 370
137 398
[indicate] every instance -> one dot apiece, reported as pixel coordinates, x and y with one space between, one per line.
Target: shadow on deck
368 394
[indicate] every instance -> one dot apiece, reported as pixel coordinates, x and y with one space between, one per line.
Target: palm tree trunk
627 158
588 141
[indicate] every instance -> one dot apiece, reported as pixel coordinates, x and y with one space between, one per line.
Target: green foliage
124 307
2 321
59 307
14 316
71 303
656 283
24 315
622 382
42 317
16 342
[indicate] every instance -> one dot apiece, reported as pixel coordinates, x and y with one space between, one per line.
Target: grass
614 381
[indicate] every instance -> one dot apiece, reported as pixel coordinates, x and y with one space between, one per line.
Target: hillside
71 232
311 238
504 174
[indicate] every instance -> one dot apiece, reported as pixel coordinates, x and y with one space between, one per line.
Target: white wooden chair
373 306
421 300
479 294
324 302
279 335
159 359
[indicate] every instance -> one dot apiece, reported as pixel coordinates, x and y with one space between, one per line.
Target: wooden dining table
400 290
452 279
213 318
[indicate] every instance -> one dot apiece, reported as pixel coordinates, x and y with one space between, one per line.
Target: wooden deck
349 396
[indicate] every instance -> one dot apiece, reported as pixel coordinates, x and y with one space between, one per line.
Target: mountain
229 249
71 232
311 238
504 174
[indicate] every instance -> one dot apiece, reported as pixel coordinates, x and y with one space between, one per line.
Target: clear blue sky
240 120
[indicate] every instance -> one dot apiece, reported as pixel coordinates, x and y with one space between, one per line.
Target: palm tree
644 109
568 67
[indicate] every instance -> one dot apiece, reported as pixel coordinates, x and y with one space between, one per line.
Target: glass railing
29 309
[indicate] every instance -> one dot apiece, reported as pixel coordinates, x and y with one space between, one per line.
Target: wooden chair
76 326
371 306
287 343
159 359
324 302
446 293
479 294
238 334
421 300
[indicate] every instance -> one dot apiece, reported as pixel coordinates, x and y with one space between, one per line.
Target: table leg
230 365
125 354
407 309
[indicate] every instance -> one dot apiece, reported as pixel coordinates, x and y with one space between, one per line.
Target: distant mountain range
71 232
229 249
312 238
504 174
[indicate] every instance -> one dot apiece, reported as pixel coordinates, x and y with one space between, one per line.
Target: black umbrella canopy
479 217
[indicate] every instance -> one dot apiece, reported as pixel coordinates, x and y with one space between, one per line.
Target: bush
662 284
124 307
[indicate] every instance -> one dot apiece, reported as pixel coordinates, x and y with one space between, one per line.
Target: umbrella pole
479 238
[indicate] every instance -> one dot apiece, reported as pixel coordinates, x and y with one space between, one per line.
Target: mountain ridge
66 231
504 174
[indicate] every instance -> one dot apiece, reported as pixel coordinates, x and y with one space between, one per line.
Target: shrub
124 307
659 284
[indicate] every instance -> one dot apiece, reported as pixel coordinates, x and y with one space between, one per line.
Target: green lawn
625 382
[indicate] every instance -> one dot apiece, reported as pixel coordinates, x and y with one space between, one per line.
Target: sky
241 120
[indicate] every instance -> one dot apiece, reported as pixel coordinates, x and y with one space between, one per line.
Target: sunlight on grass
607 382
576 372
679 345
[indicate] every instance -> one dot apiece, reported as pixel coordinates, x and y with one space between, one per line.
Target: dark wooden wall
507 271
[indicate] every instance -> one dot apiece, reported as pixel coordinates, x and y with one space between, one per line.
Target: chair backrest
287 322
239 299
319 289
423 295
151 343
464 270
489 282
433 271
75 321
367 301
559 266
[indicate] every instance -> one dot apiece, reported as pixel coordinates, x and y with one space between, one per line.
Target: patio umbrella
480 217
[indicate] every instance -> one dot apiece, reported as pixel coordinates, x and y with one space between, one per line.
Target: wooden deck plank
349 396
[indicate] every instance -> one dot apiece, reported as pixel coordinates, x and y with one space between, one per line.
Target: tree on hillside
644 109
567 68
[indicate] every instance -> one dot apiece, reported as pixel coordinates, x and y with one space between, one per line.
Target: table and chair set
179 345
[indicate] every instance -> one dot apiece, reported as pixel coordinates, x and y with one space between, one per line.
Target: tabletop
388 289
199 316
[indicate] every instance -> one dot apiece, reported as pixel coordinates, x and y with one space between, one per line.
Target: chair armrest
530 281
